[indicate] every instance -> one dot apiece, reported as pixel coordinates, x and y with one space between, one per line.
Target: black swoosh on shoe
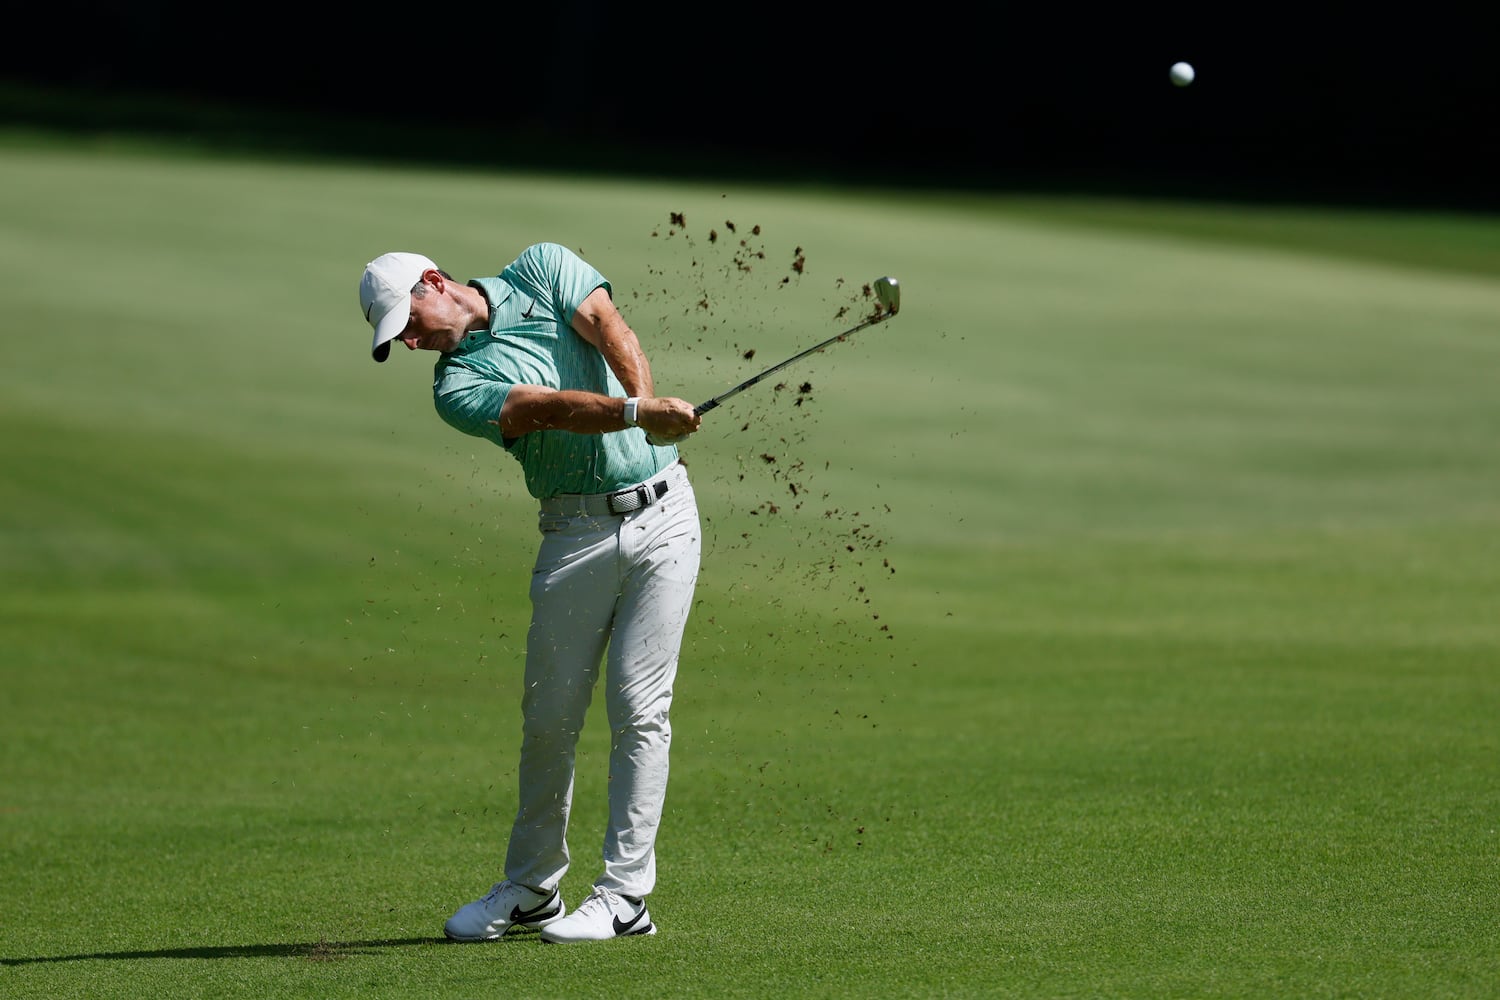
624 927
541 911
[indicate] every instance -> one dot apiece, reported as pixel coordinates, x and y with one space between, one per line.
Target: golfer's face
435 323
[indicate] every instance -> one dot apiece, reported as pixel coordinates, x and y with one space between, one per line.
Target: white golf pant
614 589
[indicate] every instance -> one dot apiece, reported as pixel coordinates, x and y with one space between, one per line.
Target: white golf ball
1182 74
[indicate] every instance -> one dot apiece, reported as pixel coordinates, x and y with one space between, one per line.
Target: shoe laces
602 896
495 891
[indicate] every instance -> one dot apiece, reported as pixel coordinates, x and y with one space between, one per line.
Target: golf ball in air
1182 74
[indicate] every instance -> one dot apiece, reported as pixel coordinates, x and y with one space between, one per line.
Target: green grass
1131 630
1439 241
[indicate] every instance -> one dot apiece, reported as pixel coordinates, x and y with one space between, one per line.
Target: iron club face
888 294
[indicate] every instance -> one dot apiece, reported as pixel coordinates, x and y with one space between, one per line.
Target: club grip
703 408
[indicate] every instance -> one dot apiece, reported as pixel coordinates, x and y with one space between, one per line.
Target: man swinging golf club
538 360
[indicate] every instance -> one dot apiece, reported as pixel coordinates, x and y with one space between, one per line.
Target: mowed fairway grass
1120 620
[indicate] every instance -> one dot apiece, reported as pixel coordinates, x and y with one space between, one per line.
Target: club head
888 293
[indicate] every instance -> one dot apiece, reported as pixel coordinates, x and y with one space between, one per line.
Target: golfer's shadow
322 950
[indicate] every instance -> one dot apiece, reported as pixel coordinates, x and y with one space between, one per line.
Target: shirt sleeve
468 402
555 271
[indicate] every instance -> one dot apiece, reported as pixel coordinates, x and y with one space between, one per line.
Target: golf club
888 299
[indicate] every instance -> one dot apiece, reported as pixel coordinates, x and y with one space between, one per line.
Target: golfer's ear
433 277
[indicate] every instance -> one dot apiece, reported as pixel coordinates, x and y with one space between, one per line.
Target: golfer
539 361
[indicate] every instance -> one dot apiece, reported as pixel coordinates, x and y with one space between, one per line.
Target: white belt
601 504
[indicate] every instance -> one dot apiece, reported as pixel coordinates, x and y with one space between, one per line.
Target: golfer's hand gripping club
888 303
667 419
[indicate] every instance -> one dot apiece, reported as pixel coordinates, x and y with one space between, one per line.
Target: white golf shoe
603 915
507 905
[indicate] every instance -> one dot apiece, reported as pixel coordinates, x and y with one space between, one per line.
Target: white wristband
631 406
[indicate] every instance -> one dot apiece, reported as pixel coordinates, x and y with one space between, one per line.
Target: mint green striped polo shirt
530 341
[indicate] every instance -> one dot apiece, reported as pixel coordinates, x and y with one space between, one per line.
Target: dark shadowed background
1297 102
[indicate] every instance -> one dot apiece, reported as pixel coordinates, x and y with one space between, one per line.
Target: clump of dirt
714 305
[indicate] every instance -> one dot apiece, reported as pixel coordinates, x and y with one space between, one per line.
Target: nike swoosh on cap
367 311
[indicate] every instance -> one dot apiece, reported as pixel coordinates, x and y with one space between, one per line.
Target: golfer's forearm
600 323
564 410
622 352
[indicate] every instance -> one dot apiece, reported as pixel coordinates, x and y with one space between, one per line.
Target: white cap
385 295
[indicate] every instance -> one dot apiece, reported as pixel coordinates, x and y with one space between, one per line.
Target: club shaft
703 408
